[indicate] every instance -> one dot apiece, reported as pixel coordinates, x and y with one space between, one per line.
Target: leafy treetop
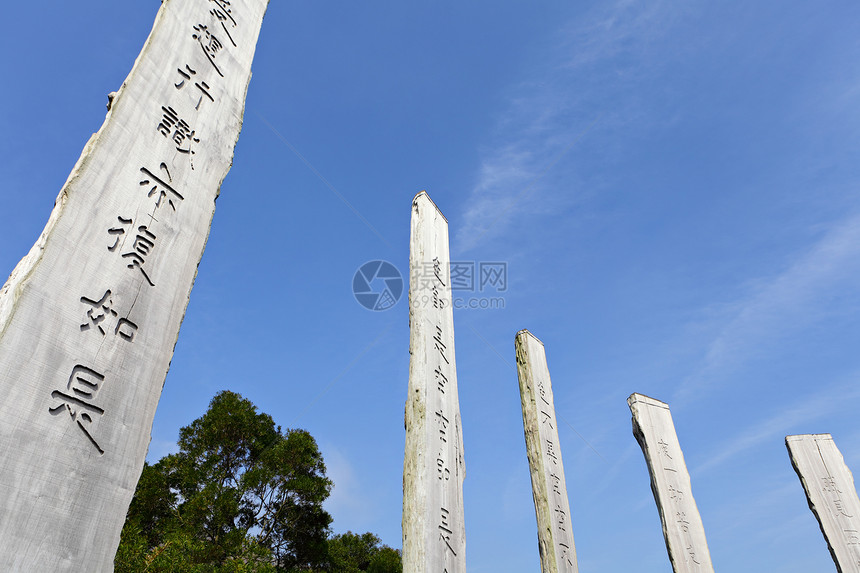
241 496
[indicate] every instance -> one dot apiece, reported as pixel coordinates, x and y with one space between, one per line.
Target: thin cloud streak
799 296
539 133
774 429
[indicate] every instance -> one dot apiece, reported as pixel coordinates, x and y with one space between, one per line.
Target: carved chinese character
692 554
681 520
125 329
565 555
101 310
437 270
840 508
542 392
443 473
675 493
829 485
445 531
555 482
141 246
546 418
438 302
186 75
209 44
222 13
202 86
177 129
204 91
143 243
82 386
224 9
161 188
663 448
550 451
118 231
441 379
440 346
443 425
561 518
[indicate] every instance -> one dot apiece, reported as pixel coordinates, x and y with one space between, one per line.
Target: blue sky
672 186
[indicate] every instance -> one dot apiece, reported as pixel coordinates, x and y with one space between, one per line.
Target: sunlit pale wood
434 536
89 318
549 488
670 482
830 491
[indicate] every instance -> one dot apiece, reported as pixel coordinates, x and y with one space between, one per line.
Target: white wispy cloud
559 106
620 465
774 429
806 292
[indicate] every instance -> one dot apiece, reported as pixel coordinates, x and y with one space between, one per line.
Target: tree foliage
241 496
354 553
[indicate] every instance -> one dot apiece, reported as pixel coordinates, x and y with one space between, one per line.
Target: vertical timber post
830 492
670 482
90 317
434 535
552 509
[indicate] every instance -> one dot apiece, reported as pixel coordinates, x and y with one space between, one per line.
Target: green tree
354 553
386 560
241 495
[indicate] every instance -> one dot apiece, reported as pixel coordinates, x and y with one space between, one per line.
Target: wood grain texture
434 535
830 492
89 318
549 488
670 483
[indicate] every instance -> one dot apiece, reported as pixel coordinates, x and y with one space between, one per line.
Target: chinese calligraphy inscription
433 470
81 388
831 494
89 320
670 482
552 508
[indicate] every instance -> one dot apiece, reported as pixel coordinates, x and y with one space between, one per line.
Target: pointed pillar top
636 397
801 437
423 195
526 332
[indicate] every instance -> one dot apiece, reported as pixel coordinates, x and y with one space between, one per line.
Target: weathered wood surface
434 536
552 509
670 482
830 491
89 318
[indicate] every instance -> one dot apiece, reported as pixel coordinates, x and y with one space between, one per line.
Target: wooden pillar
434 535
830 491
89 318
555 531
670 482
